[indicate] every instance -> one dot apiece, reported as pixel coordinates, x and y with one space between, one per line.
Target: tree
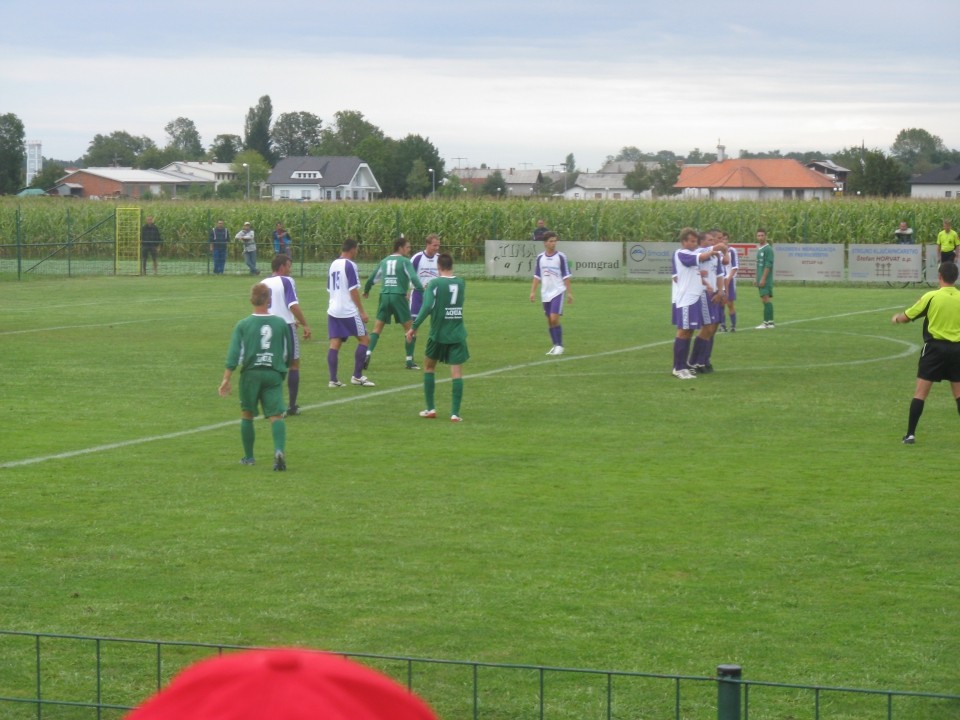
918 150
695 157
225 148
154 157
570 165
48 177
638 179
259 170
419 181
256 129
495 185
451 188
296 133
406 152
349 129
664 178
184 139
119 148
13 150
872 172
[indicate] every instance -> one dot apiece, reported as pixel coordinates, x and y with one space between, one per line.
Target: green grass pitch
591 511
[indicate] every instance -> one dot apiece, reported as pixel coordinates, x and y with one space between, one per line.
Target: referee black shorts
939 360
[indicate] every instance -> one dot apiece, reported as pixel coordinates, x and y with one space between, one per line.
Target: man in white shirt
553 272
345 315
285 303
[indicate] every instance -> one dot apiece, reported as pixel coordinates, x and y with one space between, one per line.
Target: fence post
19 246
728 692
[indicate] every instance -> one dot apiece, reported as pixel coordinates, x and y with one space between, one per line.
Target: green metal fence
45 675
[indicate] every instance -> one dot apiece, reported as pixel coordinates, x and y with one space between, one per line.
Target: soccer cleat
412 366
431 414
765 325
684 374
770 325
366 361
456 418
292 410
551 351
247 461
279 462
362 380
733 328
335 383
558 350
705 369
909 439
722 328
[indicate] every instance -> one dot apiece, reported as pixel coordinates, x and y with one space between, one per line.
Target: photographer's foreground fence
44 675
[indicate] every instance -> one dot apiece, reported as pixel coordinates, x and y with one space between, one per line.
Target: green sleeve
233 352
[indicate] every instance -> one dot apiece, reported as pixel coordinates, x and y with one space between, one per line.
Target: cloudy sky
510 84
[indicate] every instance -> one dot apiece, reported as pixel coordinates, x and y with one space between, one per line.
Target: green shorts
262 386
393 306
766 290
449 353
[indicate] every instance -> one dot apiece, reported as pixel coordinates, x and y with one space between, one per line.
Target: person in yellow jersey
940 357
947 242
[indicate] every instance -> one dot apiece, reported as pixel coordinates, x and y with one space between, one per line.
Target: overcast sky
510 84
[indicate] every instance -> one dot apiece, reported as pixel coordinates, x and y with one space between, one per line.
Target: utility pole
458 159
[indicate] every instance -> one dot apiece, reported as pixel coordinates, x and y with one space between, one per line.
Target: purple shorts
693 316
554 306
416 302
732 288
345 327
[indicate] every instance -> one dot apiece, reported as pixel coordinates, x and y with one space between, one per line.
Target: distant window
616 196
338 195
285 194
598 196
948 194
305 195
356 194
329 194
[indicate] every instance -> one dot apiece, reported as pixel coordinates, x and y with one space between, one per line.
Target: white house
944 182
312 179
600 186
208 172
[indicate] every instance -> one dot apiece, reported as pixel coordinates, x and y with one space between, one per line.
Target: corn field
320 228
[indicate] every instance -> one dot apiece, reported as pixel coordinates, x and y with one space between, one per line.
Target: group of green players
261 344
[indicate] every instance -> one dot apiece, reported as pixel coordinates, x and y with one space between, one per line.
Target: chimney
721 152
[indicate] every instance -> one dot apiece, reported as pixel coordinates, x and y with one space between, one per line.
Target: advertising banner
891 263
517 258
813 263
650 260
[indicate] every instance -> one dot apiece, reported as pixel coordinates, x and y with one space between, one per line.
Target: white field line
909 348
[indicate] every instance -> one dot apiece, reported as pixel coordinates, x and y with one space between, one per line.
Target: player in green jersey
260 345
764 279
396 274
447 343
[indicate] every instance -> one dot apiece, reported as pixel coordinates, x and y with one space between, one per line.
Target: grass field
592 511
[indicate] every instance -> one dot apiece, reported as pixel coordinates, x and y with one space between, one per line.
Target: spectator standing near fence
219 238
947 242
903 234
149 245
764 279
281 241
940 357
248 238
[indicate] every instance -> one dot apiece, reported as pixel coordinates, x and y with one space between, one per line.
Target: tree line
412 166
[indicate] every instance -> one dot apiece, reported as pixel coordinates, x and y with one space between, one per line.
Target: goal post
128 242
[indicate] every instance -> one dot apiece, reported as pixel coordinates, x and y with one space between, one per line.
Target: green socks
429 386
457 395
247 435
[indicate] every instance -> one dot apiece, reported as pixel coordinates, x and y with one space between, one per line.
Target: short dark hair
279 260
348 245
686 232
444 261
548 235
399 243
949 272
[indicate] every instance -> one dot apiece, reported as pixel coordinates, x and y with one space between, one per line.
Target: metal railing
46 675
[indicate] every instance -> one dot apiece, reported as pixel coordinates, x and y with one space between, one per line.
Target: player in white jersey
732 270
713 273
552 272
345 315
690 305
425 264
285 303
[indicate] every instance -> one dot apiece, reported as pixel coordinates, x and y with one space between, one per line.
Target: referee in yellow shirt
940 357
947 242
